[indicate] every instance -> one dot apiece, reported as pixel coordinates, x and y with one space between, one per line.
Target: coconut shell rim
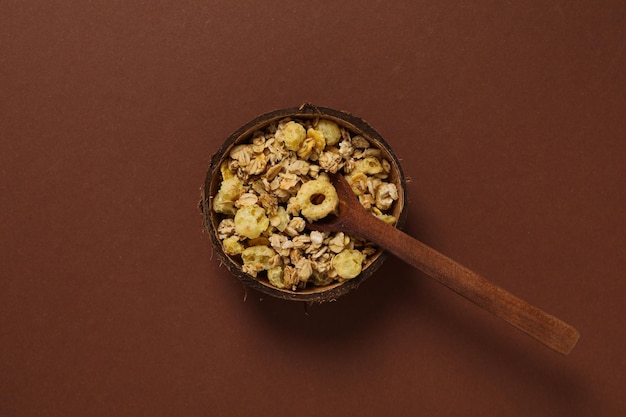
318 294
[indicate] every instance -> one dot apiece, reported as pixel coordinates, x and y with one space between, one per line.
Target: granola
278 180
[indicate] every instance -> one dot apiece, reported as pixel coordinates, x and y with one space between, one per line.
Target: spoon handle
544 327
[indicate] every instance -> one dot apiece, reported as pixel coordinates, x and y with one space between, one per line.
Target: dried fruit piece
275 276
348 263
370 165
257 258
293 135
224 201
251 221
330 130
317 199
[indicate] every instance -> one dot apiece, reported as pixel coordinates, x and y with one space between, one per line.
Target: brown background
509 117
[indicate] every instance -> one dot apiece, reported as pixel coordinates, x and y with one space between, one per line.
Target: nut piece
307 199
330 161
386 194
280 220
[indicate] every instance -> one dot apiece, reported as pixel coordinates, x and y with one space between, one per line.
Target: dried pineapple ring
311 209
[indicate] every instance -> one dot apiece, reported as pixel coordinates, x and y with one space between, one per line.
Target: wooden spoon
352 218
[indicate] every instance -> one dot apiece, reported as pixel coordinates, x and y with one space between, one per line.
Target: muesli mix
278 180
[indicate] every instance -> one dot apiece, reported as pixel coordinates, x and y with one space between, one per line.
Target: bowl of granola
271 177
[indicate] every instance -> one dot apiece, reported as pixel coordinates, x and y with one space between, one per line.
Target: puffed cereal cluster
277 181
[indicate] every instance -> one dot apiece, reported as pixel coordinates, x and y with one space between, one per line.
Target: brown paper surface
508 118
